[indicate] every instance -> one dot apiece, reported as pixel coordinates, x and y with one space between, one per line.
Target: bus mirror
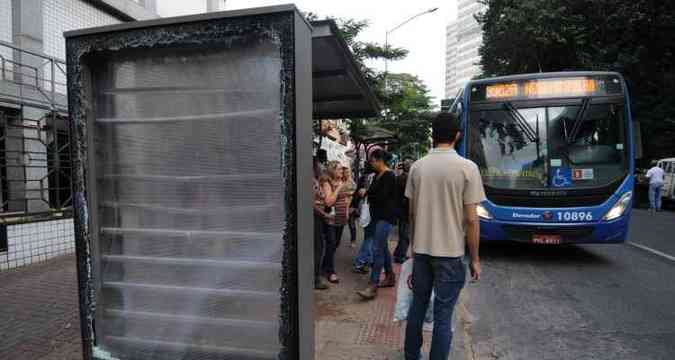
459 108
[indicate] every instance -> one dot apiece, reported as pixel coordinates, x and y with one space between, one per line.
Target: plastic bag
364 217
404 295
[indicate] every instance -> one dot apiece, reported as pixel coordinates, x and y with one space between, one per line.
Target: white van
668 166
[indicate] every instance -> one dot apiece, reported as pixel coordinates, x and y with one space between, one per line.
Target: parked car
668 166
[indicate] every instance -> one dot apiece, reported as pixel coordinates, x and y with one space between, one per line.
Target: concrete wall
133 9
6 26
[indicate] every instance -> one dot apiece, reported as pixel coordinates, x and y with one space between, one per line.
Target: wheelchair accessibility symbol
562 177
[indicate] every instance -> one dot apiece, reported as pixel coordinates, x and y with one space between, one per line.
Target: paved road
656 231
613 302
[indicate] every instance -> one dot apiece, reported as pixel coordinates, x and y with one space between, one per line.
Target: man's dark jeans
403 241
446 277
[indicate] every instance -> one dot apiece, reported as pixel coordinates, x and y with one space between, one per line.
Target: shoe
320 285
363 270
368 293
359 270
333 278
389 281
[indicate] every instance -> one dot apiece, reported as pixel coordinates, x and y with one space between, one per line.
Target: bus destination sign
547 88
537 89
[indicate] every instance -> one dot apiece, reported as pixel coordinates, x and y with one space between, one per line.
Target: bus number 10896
575 216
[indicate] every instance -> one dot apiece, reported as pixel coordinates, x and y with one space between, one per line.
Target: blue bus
556 154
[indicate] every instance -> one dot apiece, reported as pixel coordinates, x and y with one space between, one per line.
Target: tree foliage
633 37
407 99
410 114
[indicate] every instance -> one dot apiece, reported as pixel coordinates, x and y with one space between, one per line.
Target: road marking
655 252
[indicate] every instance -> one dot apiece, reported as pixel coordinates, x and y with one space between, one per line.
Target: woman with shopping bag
382 198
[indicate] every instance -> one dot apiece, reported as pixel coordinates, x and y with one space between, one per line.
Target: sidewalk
349 328
39 317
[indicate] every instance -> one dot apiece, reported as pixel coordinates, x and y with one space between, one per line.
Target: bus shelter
192 196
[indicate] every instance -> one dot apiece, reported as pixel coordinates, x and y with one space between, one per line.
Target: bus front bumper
605 232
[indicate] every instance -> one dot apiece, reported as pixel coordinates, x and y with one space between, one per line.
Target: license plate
546 239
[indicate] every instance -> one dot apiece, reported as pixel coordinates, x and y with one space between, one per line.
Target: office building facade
464 38
35 163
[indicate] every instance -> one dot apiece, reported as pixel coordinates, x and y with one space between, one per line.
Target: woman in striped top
344 187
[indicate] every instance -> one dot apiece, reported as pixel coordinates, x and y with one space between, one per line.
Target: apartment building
464 38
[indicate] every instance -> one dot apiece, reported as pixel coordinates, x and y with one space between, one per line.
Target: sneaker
360 269
389 281
368 293
320 284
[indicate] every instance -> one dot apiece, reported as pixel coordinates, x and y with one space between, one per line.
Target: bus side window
671 168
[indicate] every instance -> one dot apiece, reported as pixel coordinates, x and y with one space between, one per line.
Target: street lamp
386 48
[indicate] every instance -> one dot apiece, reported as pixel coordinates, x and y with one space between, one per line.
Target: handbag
364 216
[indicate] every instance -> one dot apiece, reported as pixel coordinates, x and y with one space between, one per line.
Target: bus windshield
570 146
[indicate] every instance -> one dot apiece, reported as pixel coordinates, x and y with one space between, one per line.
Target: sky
424 37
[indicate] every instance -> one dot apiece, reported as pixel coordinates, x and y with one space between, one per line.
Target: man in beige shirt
443 190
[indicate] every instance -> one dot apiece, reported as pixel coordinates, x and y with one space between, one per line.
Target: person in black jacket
383 203
401 252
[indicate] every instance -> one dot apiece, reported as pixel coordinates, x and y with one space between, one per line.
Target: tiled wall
64 15
60 16
38 241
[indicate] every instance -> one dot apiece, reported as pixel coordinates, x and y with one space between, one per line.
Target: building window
35 164
59 164
3 238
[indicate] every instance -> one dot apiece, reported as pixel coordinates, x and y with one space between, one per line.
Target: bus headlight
483 213
620 207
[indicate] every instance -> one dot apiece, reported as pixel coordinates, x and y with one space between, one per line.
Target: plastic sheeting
190 203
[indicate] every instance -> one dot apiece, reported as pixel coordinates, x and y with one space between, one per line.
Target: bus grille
547 202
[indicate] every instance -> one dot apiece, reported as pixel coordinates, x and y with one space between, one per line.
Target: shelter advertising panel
187 153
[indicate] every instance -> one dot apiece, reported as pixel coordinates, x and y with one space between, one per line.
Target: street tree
407 98
410 114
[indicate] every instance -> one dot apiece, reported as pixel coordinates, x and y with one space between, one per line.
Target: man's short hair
445 128
380 154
